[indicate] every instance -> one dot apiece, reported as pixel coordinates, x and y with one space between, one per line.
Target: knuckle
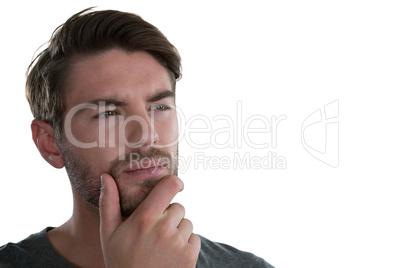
174 183
196 239
188 222
178 207
165 230
144 221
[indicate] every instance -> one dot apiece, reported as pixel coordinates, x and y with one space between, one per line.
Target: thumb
109 207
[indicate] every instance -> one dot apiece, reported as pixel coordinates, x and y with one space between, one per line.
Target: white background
278 58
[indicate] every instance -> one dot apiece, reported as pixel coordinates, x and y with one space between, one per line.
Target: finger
175 214
195 241
109 207
186 228
161 195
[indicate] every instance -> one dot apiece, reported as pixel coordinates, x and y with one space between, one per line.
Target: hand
155 235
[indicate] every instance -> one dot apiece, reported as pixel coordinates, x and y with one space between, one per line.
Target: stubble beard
87 182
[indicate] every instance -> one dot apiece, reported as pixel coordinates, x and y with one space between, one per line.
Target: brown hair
86 34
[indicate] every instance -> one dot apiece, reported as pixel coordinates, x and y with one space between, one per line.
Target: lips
144 171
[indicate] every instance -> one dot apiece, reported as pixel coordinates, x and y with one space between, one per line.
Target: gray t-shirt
36 251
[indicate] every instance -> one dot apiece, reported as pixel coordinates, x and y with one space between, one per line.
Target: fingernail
102 182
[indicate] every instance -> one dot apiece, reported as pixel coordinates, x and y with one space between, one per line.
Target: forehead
115 73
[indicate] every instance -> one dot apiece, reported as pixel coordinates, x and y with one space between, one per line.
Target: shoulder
18 254
220 255
33 251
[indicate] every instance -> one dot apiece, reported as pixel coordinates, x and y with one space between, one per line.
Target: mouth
144 171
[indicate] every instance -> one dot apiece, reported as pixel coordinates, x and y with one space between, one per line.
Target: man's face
120 106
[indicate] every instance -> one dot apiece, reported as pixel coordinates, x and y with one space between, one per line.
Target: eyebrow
108 102
116 102
103 101
161 95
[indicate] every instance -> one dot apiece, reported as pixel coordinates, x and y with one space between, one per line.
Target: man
103 98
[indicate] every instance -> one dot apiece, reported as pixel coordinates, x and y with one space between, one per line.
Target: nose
140 132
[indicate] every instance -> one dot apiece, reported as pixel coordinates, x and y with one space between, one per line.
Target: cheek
94 147
81 133
101 133
167 131
98 158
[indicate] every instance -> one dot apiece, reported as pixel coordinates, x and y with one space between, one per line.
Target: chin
130 199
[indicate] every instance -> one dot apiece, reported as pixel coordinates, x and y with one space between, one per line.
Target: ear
45 140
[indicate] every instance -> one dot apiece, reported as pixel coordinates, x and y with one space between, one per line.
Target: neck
78 240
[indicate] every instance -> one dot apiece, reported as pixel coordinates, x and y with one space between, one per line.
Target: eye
107 114
160 107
